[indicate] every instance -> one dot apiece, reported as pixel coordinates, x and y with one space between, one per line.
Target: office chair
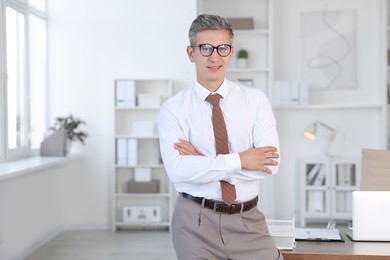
375 174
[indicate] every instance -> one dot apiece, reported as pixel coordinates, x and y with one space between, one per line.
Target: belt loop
242 208
203 201
215 207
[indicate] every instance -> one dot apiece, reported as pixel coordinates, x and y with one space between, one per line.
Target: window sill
33 164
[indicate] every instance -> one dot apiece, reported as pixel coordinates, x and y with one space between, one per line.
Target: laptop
370 216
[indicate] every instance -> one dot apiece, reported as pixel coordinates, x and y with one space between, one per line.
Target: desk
347 250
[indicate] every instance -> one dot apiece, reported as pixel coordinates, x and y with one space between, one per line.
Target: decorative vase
242 63
56 144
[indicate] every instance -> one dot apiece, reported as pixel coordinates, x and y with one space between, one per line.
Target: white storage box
141 214
142 174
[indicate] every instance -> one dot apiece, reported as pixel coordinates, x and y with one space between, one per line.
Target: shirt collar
203 93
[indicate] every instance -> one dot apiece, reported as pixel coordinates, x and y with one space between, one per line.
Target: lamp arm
326 126
333 132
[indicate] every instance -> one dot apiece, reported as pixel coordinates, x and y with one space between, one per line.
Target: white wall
32 207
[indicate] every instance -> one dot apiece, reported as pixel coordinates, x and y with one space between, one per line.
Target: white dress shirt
250 123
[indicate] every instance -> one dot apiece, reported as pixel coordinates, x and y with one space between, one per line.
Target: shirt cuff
233 163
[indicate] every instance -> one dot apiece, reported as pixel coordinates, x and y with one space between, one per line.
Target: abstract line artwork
328 49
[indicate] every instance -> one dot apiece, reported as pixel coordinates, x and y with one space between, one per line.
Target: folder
318 235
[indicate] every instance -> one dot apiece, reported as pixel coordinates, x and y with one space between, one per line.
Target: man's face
210 70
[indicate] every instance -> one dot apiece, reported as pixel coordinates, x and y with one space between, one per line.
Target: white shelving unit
326 187
142 192
259 44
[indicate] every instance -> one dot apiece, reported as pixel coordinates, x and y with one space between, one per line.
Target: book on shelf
121 151
132 151
312 173
344 201
348 202
320 177
125 93
290 93
126 151
345 174
316 201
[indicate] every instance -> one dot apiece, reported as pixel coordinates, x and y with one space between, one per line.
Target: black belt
221 207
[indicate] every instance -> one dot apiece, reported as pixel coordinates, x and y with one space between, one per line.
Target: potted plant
70 125
242 58
63 133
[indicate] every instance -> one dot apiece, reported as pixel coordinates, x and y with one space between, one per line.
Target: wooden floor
107 245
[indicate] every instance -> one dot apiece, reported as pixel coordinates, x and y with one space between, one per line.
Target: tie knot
214 99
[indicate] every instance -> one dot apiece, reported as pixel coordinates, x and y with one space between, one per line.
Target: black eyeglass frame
214 47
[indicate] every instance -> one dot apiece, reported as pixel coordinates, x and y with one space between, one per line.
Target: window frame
21 6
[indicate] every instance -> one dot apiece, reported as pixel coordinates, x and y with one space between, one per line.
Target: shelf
142 195
137 152
137 137
255 31
316 188
325 107
346 188
158 166
248 70
331 200
137 108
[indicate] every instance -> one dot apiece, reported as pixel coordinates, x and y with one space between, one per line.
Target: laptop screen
371 215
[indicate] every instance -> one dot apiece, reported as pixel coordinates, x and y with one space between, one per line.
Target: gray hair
209 22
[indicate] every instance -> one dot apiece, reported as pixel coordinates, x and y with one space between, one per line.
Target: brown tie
221 143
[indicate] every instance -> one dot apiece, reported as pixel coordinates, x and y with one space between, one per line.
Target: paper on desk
317 234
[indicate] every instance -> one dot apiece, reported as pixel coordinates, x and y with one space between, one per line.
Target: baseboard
35 246
88 226
45 239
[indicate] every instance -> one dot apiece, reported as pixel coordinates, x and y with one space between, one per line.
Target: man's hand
185 148
258 158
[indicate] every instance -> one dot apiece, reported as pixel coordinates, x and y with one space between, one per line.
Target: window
23 117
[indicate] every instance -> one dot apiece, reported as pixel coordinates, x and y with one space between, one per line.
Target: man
210 222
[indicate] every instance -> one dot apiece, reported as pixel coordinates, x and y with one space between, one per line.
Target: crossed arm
251 159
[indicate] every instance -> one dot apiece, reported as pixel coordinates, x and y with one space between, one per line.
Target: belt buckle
233 208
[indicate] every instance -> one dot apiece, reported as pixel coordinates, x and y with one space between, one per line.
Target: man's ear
190 53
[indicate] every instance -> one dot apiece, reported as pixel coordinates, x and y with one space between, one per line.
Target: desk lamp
312 131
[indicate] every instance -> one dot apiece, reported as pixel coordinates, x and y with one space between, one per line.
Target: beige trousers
200 233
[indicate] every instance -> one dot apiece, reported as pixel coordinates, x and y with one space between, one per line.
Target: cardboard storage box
241 23
141 214
143 186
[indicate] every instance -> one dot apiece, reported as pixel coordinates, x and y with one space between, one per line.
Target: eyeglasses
207 49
